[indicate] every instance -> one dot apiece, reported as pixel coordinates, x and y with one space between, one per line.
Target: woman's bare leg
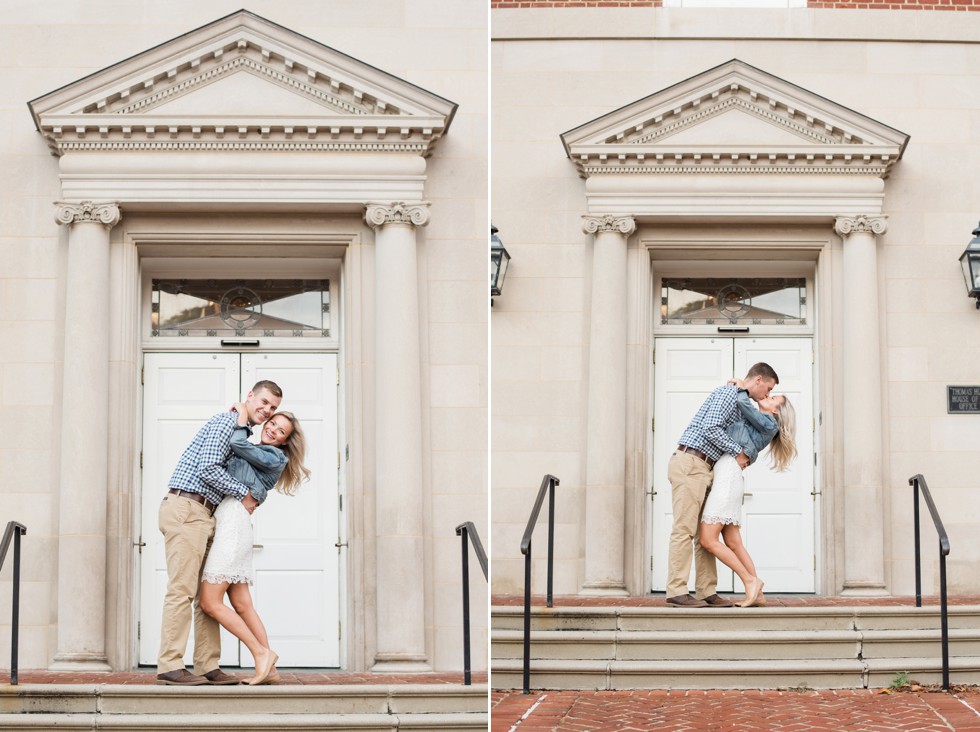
732 535
710 540
212 602
241 600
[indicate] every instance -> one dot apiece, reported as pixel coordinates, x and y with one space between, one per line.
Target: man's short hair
270 386
764 370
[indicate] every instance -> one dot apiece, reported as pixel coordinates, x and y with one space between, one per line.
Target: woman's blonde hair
295 472
782 449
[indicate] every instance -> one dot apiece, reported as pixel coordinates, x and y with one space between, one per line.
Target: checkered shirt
201 468
706 432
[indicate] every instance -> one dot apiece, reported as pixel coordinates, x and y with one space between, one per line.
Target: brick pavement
773 600
851 710
34 676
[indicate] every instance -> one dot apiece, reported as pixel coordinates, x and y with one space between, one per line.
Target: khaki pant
187 528
690 479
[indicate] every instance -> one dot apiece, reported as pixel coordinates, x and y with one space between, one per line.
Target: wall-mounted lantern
499 259
970 262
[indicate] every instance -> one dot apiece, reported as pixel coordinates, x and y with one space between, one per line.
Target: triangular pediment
734 118
242 81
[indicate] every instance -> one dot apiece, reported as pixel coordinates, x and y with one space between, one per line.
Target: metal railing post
527 621
548 483
466 610
944 616
467 532
551 541
918 562
13 531
916 481
15 615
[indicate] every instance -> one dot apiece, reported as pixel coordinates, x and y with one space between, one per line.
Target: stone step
746 674
147 706
238 722
731 645
511 617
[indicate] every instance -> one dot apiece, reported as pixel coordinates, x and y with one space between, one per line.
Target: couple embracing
205 519
705 473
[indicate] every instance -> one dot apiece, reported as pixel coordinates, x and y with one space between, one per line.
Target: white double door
297 567
778 508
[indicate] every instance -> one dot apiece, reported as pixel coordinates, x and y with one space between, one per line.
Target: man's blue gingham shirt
201 468
707 430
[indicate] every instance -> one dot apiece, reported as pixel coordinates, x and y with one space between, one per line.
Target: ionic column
398 439
864 558
84 439
605 488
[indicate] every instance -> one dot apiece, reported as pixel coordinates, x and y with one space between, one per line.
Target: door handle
746 495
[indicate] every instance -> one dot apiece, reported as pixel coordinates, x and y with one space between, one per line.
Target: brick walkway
737 711
31 676
773 600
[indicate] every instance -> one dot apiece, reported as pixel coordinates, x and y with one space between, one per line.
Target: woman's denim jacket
753 430
257 466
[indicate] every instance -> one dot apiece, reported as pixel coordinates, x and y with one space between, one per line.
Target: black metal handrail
548 484
916 481
14 530
468 531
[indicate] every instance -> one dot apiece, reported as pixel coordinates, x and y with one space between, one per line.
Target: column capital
398 212
847 225
625 225
107 214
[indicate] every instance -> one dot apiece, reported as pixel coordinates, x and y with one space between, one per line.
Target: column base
864 589
396 663
83 662
604 589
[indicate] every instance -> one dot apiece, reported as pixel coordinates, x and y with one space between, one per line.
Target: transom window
270 308
733 301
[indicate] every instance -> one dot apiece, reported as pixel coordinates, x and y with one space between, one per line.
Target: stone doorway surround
235 120
734 163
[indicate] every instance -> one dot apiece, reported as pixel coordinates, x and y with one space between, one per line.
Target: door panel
686 371
296 589
180 393
778 507
297 567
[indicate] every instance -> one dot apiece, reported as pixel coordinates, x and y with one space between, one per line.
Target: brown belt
697 454
210 506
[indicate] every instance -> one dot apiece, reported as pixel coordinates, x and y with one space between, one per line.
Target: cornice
125 107
647 136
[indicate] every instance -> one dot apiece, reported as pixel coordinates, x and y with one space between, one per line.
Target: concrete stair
417 707
758 648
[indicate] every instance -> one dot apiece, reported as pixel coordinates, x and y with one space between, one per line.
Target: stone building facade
196 197
685 191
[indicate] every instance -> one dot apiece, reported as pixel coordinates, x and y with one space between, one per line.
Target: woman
774 422
276 462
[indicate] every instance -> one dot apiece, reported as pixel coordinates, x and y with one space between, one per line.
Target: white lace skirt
230 558
724 503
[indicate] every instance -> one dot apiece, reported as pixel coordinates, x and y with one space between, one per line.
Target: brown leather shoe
217 677
717 601
181 677
685 601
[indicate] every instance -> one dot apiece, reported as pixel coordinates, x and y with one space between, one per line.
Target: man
195 489
689 473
